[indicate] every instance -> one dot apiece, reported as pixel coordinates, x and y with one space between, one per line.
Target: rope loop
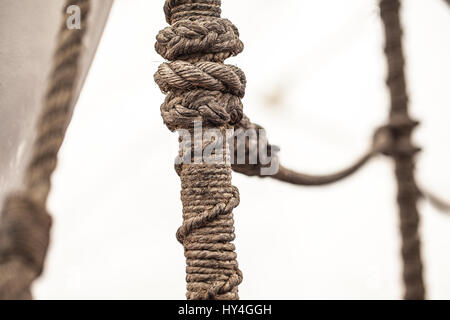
199 86
207 91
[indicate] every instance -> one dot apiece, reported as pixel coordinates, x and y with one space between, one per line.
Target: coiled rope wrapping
402 151
207 232
200 87
25 223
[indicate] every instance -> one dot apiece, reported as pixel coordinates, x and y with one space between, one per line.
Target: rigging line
403 152
300 179
25 223
437 202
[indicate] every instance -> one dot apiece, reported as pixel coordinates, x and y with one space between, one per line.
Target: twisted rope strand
56 113
403 152
25 223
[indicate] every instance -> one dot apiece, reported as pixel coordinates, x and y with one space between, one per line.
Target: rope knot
200 87
251 137
24 231
184 76
205 91
390 140
213 108
202 39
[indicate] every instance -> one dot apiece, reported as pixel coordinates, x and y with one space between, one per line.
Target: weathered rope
200 87
402 151
301 179
436 202
379 145
24 222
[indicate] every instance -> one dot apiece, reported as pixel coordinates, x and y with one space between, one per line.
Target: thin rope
379 145
403 152
199 86
25 223
296 178
437 202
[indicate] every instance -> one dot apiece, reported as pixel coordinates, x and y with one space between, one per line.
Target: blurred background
315 73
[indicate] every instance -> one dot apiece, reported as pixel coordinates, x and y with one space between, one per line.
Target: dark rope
403 152
293 177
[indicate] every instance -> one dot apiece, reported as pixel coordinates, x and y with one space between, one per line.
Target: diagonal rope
25 222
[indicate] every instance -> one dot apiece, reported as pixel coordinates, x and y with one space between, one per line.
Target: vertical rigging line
403 152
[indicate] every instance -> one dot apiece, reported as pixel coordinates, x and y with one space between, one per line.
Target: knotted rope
200 87
379 145
403 151
25 223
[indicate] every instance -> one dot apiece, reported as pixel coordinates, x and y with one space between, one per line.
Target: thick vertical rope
207 232
200 87
25 223
403 151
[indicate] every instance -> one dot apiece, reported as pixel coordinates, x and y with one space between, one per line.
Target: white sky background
316 75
